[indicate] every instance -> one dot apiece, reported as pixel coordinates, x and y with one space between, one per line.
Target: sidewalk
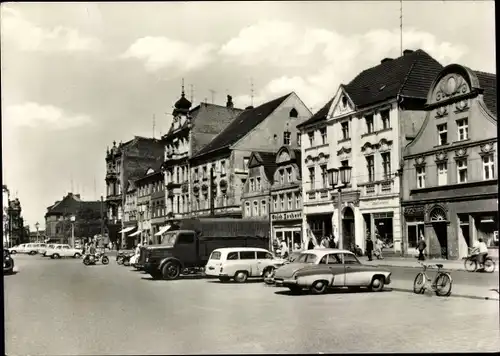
457 291
453 265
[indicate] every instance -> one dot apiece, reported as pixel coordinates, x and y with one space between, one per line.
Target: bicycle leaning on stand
441 283
471 264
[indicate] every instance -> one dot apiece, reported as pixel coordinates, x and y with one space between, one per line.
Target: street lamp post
141 213
37 225
72 219
333 179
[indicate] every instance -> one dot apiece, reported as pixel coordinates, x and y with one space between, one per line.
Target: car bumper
284 282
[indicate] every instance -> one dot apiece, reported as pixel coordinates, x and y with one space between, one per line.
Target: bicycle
437 284
471 264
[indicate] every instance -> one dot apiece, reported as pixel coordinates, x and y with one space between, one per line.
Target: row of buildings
421 140
13 228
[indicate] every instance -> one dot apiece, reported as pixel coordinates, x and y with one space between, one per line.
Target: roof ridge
406 78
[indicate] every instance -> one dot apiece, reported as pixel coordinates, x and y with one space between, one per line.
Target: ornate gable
254 160
283 156
342 105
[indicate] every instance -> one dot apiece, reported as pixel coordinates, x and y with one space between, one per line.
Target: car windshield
306 258
169 238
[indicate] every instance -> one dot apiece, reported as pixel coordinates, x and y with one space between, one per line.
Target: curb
450 296
444 268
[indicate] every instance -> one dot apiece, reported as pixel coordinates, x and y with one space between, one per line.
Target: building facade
369 122
130 214
219 170
286 198
89 220
150 206
5 215
450 173
190 131
127 161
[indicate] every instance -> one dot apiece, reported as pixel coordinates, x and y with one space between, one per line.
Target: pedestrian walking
378 247
310 245
332 241
324 242
369 248
284 249
421 246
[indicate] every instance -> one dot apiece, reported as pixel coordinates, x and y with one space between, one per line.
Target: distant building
220 169
191 130
125 162
89 218
13 222
450 193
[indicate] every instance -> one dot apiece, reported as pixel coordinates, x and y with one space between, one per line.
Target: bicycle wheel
470 265
489 265
419 283
443 284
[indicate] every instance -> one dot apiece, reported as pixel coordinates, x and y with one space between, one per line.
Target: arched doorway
439 223
348 237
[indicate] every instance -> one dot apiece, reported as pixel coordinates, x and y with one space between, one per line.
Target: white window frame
323 133
386 120
255 208
263 207
462 166
386 164
420 171
312 177
298 202
287 138
205 172
371 173
282 176
442 170
345 134
252 185
282 202
289 174
488 166
442 130
222 167
310 135
324 175
462 129
289 199
247 209
370 124
257 184
275 203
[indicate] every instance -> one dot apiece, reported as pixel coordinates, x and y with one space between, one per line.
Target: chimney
229 103
385 60
407 52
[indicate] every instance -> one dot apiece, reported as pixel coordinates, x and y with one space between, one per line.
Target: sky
77 76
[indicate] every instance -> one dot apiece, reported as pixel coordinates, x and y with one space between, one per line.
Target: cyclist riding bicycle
482 252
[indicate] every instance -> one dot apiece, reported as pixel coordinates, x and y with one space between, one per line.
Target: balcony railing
379 188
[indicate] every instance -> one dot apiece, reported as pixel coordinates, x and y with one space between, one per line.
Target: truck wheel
241 276
171 271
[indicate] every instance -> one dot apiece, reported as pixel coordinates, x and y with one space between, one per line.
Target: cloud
323 59
162 52
30 37
35 115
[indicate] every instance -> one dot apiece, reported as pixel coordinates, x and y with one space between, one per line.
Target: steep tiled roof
488 82
241 125
71 204
319 116
410 75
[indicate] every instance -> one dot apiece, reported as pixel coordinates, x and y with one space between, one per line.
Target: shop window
414 231
488 167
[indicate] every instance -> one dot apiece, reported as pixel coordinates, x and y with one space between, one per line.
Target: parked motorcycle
127 257
119 257
92 259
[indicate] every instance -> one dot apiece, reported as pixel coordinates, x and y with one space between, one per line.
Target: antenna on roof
251 91
71 179
401 27
95 189
213 93
191 94
182 87
154 125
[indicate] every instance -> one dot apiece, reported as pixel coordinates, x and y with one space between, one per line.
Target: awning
136 233
163 230
127 229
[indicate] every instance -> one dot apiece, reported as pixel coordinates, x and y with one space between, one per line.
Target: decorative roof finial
114 143
182 88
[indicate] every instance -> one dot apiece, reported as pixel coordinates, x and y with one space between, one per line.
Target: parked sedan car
30 249
8 263
17 249
63 251
48 247
320 269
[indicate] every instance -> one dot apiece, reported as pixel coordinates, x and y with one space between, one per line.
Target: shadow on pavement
330 291
187 277
11 273
250 281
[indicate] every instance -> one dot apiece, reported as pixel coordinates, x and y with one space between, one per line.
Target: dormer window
286 138
282 176
344 101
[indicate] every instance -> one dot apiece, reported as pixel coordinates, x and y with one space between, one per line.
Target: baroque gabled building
369 121
450 193
191 130
127 161
219 170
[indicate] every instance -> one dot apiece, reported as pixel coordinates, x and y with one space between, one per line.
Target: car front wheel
377 284
319 287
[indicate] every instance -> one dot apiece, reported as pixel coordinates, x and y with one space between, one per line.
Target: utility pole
102 217
401 26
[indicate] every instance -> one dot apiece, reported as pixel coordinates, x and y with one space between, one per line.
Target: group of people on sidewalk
374 248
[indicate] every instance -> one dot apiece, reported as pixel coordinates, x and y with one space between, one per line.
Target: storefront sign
296 215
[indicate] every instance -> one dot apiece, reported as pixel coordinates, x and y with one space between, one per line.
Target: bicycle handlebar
427 266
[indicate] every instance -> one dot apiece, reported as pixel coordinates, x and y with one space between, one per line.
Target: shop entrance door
440 230
348 228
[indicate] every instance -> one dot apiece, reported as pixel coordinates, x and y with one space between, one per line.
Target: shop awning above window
127 229
163 230
136 233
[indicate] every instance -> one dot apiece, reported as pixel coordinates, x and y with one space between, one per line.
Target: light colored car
48 247
320 269
30 249
240 263
63 251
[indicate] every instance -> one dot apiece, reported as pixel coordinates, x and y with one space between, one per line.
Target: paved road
60 307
